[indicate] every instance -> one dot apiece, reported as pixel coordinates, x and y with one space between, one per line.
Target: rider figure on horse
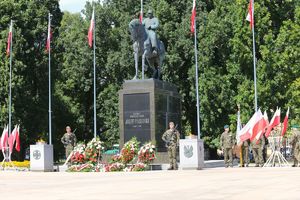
151 24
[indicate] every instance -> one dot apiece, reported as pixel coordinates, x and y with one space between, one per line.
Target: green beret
226 126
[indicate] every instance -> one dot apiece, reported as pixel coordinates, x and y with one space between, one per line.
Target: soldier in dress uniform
69 140
171 138
227 145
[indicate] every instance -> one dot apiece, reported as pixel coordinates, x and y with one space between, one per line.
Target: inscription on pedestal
136 115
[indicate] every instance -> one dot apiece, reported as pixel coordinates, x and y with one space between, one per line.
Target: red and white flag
285 122
17 138
260 127
91 29
49 36
260 134
11 143
193 17
4 138
142 12
250 15
274 122
266 118
247 130
14 132
11 140
9 40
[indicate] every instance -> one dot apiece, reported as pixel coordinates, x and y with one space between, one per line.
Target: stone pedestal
191 152
145 109
41 158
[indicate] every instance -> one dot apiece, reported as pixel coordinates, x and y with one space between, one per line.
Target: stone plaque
136 115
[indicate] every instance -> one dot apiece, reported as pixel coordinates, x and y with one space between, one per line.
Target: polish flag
141 13
91 29
13 133
250 15
260 127
258 136
285 122
11 143
193 17
247 130
18 146
274 122
4 138
9 40
11 140
49 37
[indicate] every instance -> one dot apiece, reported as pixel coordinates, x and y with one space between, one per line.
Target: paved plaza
217 183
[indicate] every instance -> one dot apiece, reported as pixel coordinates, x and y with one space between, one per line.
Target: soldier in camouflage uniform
227 145
171 138
295 142
69 140
257 150
245 149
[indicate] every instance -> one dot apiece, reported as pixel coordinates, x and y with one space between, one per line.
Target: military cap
226 126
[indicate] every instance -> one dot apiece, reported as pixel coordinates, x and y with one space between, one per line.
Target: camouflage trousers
228 157
246 159
172 157
296 155
258 156
69 150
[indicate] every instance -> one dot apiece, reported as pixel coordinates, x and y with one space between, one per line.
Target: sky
72 5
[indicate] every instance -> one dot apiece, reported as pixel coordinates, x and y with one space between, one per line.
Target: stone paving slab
217 183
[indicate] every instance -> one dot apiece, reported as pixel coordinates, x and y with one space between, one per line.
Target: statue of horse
142 47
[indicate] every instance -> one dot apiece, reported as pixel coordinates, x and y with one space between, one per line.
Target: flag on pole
193 17
274 122
11 140
142 12
238 128
260 134
13 133
91 29
4 138
285 122
250 15
260 127
18 146
49 36
11 143
247 130
9 40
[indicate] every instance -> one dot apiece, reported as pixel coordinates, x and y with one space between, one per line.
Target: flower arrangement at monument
139 167
146 153
115 167
129 151
93 151
78 156
86 158
116 158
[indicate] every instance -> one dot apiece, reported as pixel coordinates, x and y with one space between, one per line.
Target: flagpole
10 77
49 54
95 121
197 81
254 57
142 11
